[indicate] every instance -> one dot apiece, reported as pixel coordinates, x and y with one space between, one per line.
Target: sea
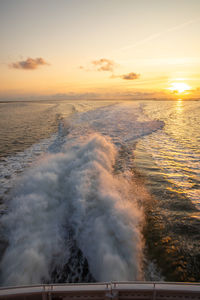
100 190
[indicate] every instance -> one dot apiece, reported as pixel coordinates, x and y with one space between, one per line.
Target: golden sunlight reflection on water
175 148
179 106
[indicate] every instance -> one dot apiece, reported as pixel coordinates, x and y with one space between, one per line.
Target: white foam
77 188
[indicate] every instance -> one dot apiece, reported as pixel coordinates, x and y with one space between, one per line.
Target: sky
82 49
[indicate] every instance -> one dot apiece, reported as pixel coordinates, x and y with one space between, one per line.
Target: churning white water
75 187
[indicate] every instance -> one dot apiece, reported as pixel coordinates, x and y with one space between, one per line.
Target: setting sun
179 87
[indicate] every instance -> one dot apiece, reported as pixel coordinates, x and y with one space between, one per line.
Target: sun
179 87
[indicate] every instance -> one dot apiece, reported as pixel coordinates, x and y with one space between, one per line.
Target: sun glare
179 87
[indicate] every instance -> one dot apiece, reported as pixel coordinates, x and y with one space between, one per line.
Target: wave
76 192
74 188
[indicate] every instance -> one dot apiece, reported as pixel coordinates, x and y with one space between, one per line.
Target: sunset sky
135 49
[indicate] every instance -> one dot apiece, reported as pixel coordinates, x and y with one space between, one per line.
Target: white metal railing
107 290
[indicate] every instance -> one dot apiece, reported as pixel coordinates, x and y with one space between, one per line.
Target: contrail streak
157 35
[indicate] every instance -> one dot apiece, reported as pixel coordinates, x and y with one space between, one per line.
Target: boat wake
76 211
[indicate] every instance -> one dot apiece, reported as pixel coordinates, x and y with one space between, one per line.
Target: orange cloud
29 64
130 76
104 64
108 65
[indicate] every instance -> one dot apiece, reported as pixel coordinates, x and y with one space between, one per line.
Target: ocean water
99 191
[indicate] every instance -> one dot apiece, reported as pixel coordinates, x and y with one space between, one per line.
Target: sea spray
73 189
80 195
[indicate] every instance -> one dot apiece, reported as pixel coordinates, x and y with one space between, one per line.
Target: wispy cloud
29 63
142 42
130 76
109 65
159 34
102 64
180 26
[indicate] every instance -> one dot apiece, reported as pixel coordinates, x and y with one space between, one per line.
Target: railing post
44 295
49 294
114 294
154 291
